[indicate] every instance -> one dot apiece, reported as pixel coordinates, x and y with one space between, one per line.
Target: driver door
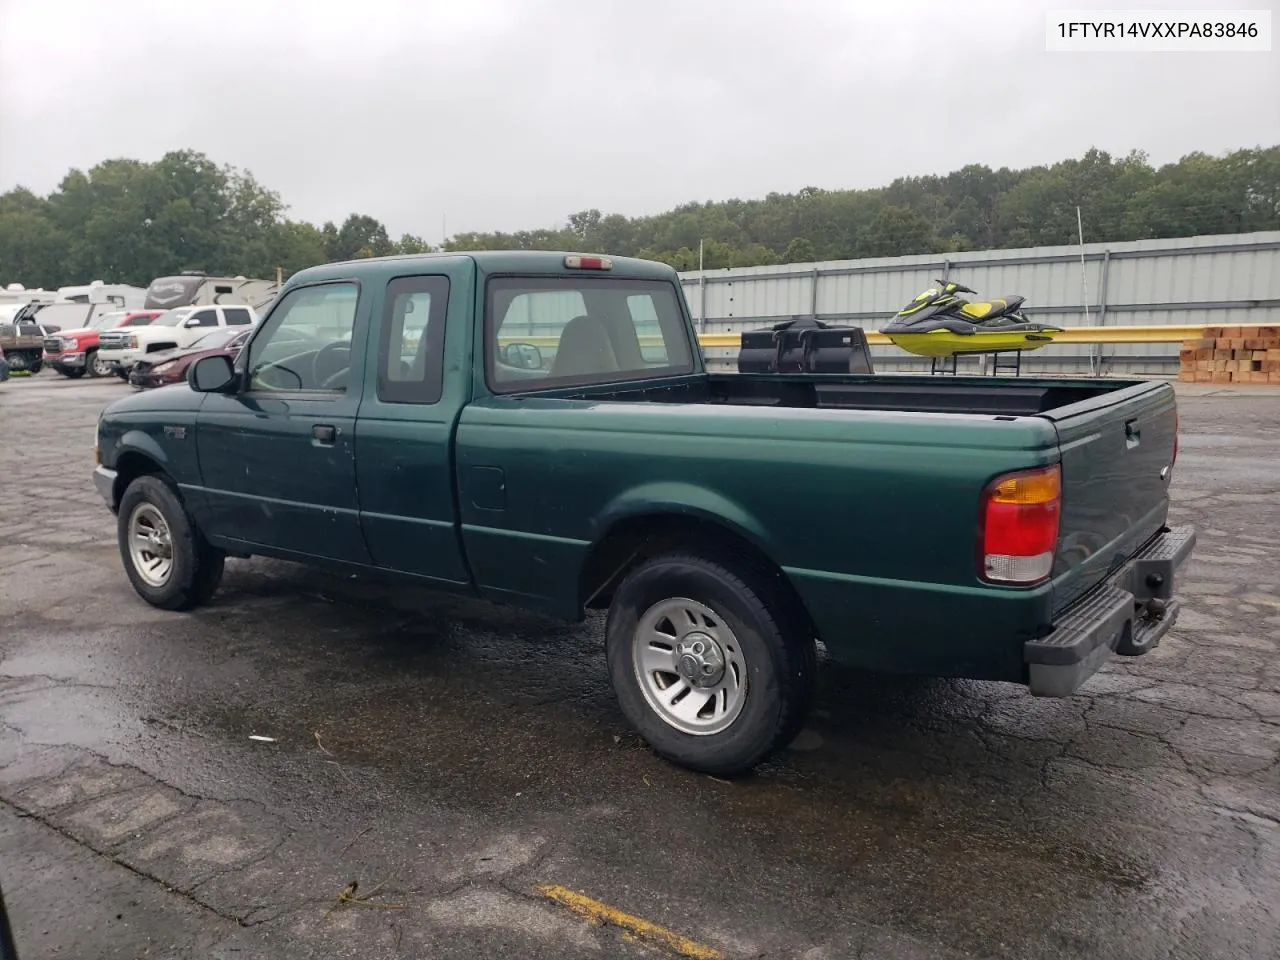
277 458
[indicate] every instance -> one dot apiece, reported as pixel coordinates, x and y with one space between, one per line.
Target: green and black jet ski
941 323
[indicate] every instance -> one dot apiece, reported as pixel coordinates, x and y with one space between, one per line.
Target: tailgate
1117 460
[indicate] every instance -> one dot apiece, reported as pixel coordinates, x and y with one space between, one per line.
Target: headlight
132 343
69 346
168 364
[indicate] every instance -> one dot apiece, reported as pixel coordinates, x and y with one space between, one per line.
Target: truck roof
489 261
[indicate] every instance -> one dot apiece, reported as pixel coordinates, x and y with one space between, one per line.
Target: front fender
140 442
167 444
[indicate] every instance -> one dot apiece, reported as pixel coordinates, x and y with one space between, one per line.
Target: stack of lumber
1232 355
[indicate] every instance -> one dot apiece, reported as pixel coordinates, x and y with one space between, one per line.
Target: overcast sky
509 114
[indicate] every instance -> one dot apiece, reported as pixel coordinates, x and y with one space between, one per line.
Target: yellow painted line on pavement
597 912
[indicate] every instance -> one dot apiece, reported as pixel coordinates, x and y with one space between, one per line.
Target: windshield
215 339
105 321
171 318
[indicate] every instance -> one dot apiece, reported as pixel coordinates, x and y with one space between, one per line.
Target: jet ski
941 323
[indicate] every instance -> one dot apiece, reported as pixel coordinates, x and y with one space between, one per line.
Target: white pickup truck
172 330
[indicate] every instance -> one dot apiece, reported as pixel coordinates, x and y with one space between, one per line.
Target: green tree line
125 221
128 221
973 208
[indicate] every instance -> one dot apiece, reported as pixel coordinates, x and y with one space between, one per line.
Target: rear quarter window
546 332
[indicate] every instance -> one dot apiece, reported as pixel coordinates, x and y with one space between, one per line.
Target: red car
170 366
75 352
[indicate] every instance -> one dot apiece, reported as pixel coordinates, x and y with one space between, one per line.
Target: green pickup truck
540 429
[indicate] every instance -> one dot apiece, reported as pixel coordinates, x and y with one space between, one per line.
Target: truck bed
913 394
1114 438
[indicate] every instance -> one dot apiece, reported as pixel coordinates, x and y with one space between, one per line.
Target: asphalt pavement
446 778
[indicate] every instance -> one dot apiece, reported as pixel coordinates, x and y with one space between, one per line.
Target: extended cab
540 429
172 330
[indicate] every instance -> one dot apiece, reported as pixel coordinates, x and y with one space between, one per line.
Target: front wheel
168 561
713 665
98 367
71 373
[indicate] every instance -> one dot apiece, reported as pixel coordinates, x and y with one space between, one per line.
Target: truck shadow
471 703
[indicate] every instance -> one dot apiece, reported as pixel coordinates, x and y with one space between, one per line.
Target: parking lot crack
111 858
117 765
58 682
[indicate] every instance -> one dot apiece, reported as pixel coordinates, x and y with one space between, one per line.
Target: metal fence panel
1229 279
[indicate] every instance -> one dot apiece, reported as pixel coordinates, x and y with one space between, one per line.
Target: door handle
325 434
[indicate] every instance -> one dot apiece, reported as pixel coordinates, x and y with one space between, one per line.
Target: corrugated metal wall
1230 279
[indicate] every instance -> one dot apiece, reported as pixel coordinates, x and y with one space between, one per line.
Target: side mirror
523 355
191 322
214 374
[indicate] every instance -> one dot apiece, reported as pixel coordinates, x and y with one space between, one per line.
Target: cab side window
203 318
305 344
411 340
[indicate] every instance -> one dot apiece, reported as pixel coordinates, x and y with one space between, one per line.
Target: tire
122 373
95 369
35 366
759 635
194 567
71 373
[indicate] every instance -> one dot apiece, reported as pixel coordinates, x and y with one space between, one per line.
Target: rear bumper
1127 615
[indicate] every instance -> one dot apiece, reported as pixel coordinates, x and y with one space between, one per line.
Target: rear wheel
711 661
168 561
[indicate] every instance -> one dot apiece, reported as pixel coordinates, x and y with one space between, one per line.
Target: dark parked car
170 366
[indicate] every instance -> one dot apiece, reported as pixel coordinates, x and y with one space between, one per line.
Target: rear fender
675 498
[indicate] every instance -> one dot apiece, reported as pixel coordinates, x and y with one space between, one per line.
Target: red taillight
576 262
1020 513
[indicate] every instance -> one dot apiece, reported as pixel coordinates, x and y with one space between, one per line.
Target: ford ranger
997 529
